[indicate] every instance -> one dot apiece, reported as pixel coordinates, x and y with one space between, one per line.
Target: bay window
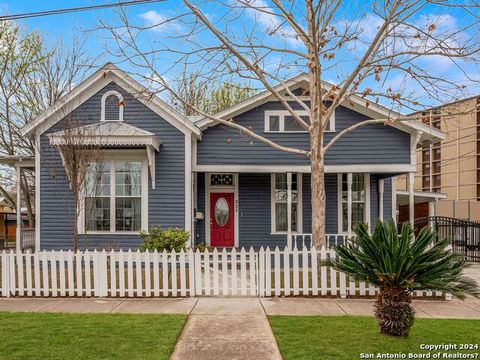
115 192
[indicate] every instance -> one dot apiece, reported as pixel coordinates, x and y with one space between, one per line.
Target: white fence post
5 274
191 273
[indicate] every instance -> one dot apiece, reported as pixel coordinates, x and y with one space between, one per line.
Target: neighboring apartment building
449 169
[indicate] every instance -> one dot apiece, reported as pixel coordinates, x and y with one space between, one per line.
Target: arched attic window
112 106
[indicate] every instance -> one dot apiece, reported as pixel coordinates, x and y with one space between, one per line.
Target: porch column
19 211
411 201
431 211
381 187
349 204
289 210
431 208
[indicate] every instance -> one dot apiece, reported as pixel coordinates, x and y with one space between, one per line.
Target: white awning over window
108 134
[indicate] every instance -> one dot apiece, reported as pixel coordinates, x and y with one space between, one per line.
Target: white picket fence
263 272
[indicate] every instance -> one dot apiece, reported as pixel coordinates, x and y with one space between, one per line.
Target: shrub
202 247
169 239
400 263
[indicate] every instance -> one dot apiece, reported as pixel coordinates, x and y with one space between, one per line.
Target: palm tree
400 264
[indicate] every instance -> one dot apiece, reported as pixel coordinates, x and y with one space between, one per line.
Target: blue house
162 168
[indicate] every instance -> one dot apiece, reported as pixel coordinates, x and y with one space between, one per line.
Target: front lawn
88 336
346 337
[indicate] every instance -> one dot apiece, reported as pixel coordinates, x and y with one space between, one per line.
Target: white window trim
120 106
281 126
111 157
367 214
299 207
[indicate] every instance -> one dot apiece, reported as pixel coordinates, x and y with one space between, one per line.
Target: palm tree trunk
394 311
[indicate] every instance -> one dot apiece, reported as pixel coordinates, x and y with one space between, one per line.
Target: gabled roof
96 82
355 102
109 133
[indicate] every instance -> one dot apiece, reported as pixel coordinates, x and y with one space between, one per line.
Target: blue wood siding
371 144
387 198
166 202
200 224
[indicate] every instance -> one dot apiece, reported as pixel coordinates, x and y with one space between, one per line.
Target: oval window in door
221 212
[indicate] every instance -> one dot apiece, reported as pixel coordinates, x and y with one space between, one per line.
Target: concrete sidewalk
235 328
468 309
454 309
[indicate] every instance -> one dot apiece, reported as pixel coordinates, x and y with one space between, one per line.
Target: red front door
222 219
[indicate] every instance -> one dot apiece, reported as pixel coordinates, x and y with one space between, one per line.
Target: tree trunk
75 231
394 312
318 201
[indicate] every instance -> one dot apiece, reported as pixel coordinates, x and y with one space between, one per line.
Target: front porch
274 208
25 236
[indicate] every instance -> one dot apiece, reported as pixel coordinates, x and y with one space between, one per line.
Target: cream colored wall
458 163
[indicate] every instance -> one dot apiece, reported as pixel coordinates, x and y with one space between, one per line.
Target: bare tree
33 76
378 50
209 98
83 161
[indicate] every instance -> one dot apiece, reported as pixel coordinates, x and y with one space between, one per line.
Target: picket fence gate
231 272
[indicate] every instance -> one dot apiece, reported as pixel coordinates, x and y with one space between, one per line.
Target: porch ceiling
418 197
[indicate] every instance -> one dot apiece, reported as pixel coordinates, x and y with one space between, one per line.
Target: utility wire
75 9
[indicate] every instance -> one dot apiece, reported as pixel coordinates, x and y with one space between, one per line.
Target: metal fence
464 234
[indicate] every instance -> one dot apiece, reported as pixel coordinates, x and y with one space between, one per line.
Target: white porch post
349 204
381 187
431 211
431 207
411 201
289 210
19 211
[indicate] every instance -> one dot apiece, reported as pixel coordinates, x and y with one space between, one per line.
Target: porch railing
301 241
27 239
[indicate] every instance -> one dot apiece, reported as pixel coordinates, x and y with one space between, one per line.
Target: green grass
346 337
90 336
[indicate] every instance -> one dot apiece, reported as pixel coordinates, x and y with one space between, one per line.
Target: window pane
97 180
274 123
291 124
281 195
306 118
358 187
358 212
127 178
344 217
127 214
358 200
112 108
97 214
281 217
221 179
